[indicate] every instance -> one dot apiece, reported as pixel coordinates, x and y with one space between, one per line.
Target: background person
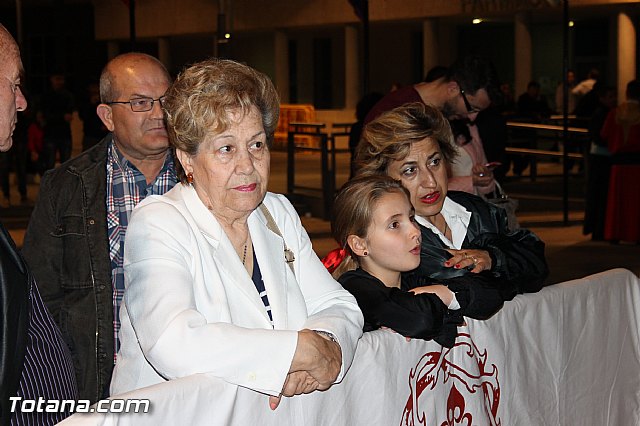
469 171
492 129
213 284
621 130
460 231
362 108
93 129
57 105
598 166
75 239
532 107
466 89
586 85
559 97
15 161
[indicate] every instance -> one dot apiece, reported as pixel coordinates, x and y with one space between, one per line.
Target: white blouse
457 218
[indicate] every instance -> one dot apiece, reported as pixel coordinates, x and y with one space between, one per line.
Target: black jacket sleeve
480 295
518 260
422 316
517 256
14 319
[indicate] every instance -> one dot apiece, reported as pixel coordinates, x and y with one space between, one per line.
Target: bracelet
328 335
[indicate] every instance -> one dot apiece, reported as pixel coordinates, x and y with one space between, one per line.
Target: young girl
374 223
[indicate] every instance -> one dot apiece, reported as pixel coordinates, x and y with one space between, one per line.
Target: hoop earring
365 253
190 178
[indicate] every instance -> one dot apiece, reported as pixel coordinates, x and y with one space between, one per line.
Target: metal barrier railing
552 127
327 149
577 136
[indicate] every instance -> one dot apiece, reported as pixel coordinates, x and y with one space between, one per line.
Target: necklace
244 255
446 227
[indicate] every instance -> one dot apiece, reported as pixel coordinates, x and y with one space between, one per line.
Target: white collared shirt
457 218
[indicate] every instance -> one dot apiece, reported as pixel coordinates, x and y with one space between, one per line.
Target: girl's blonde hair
353 210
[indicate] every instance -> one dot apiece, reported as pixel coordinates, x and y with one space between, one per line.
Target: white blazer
190 307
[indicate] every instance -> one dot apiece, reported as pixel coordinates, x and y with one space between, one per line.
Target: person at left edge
34 361
75 239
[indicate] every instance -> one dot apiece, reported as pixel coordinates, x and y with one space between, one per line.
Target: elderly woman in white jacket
220 275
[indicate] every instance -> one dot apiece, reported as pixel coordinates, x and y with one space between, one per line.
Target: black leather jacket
67 248
517 256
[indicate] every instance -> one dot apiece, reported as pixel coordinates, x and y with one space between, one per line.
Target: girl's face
393 238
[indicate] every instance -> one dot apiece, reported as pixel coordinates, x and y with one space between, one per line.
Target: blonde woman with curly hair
221 276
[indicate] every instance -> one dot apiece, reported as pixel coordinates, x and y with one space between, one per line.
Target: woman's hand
439 290
296 383
477 260
315 366
481 175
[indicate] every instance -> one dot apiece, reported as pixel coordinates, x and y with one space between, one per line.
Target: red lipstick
431 198
246 188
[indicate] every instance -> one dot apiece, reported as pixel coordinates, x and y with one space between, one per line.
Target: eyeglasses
141 104
470 108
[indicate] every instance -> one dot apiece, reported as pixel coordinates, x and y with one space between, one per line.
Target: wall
392 55
546 41
171 17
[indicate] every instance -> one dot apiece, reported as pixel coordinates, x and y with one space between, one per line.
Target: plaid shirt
126 187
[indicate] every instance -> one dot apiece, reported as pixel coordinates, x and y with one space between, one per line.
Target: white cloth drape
568 355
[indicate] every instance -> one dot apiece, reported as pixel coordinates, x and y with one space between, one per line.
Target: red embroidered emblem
463 373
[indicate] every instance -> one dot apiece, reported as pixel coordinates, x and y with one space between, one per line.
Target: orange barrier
301 113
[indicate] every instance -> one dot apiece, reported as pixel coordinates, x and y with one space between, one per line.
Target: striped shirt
256 277
126 187
47 369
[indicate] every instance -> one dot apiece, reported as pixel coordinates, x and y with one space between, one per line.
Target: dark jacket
421 316
67 248
14 302
34 360
517 257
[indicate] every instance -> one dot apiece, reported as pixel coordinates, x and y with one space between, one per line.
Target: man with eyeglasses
465 90
460 92
75 239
